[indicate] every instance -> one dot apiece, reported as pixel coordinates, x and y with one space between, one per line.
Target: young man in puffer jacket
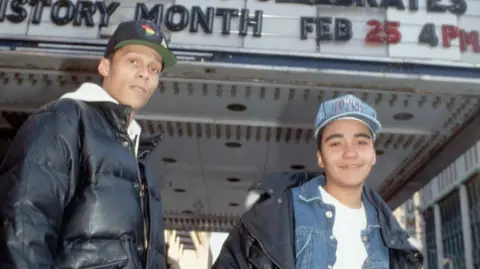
77 189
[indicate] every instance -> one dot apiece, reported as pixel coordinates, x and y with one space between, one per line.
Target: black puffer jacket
264 238
72 192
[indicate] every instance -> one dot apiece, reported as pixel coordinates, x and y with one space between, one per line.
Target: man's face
131 75
347 153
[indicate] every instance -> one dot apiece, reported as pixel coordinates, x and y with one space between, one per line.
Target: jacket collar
118 114
310 192
91 92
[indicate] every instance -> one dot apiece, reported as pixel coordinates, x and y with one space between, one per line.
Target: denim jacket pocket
312 248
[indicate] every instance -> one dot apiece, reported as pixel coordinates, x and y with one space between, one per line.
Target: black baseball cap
141 32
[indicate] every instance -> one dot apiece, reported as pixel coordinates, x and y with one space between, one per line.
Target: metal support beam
458 144
438 236
466 227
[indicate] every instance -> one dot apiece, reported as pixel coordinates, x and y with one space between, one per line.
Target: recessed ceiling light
236 107
233 145
233 179
169 160
403 116
297 167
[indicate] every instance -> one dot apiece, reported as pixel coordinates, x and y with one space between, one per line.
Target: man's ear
104 67
320 159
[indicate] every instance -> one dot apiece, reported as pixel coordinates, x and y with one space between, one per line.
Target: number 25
383 33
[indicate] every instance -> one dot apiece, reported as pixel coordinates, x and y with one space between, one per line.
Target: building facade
445 215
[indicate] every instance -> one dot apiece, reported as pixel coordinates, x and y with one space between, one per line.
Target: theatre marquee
400 29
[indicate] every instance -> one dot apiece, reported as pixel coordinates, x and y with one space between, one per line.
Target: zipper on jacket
142 206
141 193
142 187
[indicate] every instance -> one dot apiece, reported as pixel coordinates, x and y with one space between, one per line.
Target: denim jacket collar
310 192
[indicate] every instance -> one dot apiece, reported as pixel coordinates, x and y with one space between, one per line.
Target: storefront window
430 238
452 233
473 190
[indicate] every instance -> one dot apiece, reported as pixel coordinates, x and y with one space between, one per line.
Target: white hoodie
91 92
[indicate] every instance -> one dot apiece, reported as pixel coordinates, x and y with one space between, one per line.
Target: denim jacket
315 245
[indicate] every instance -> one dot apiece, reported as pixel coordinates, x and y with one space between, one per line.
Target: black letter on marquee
38 9
343 29
358 3
199 17
458 7
371 3
323 29
155 14
393 3
184 15
106 12
227 14
435 6
306 26
322 2
85 10
343 3
20 13
307 2
3 9
428 35
413 5
55 12
256 22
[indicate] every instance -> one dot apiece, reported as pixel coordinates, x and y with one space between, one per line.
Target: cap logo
348 105
148 30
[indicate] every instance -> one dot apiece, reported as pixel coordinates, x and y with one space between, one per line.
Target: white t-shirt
347 228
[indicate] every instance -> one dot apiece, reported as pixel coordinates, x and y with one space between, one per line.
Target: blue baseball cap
345 107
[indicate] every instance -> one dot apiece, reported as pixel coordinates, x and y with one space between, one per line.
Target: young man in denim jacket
324 221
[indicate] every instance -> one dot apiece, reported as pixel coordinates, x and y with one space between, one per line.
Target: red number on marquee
373 36
386 32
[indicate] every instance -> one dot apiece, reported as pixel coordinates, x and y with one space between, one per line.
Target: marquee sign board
402 29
